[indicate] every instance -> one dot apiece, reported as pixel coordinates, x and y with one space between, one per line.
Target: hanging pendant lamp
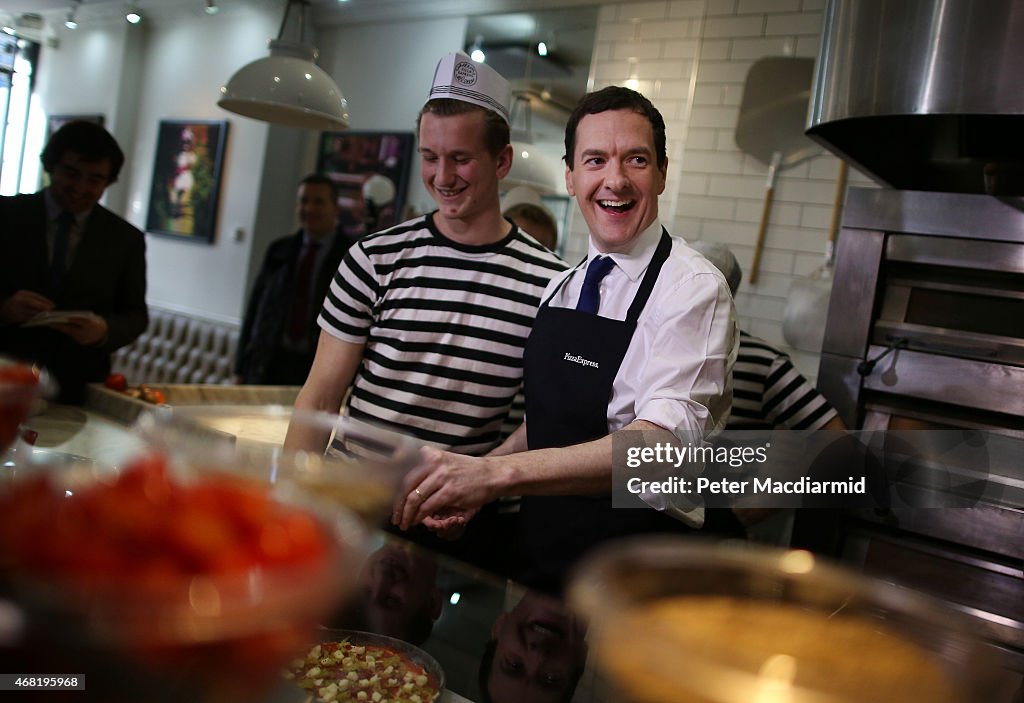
287 87
531 166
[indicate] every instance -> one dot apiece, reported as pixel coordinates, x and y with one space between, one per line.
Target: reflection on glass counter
495 641
491 640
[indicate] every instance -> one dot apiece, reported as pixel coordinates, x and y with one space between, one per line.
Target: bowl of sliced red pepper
179 576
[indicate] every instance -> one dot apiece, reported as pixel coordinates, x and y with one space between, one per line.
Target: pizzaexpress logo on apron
576 359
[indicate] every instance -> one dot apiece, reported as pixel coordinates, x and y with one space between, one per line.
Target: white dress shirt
677 369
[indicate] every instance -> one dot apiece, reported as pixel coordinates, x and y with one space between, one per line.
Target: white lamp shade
521 195
536 169
286 88
379 189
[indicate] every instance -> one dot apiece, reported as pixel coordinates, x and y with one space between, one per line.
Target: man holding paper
72 273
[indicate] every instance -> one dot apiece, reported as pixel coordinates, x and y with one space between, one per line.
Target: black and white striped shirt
444 326
769 393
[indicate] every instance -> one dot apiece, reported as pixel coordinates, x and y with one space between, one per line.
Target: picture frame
350 159
186 185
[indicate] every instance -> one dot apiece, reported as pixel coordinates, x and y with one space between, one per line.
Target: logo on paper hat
458 77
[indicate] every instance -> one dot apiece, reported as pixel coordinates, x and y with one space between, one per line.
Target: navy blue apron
566 404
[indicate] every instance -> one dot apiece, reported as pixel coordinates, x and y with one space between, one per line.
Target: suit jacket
106 276
260 339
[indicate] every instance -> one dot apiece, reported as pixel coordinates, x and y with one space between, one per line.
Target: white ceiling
325 10
508 26
44 6
32 5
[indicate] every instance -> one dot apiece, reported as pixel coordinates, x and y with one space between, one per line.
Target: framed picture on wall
186 179
368 167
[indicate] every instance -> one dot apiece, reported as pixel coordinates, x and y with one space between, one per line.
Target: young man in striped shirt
427 321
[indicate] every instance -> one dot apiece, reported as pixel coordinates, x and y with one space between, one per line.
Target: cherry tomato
116 382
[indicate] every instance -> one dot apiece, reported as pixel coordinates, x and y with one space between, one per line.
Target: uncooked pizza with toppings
348 671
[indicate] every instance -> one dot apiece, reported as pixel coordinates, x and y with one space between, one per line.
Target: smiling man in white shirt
640 336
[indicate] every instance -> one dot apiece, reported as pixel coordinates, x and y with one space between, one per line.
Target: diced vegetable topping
363 673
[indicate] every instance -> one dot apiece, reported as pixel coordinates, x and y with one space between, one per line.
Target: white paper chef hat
461 78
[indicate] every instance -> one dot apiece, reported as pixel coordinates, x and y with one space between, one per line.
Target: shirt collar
635 262
307 240
53 210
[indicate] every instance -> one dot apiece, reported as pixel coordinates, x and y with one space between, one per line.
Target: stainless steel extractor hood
924 94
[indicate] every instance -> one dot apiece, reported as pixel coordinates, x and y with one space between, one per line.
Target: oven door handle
957 349
865 367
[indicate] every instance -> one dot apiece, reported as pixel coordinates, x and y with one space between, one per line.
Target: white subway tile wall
691 58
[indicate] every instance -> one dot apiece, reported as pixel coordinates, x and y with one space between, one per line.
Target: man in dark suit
62 251
279 333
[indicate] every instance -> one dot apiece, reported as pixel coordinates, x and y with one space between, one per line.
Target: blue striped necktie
590 294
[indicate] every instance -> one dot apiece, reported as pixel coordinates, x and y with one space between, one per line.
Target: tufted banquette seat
179 348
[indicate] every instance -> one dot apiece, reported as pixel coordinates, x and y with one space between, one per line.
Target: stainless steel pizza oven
925 331
927 310
925 327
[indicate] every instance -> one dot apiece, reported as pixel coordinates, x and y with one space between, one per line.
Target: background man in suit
62 251
279 333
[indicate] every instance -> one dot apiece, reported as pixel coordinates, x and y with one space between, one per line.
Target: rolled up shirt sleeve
685 384
685 381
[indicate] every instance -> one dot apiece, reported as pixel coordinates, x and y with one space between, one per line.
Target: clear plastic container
682 621
361 470
143 633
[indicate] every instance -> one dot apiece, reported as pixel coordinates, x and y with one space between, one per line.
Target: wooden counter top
101 429
126 409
